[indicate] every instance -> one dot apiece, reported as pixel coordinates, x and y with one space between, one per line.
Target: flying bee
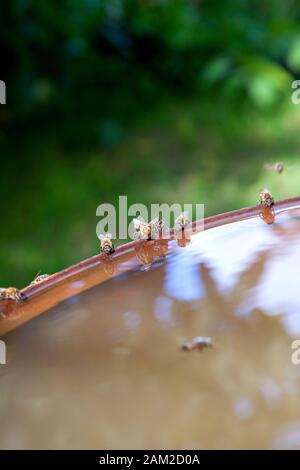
266 198
148 231
200 343
106 244
10 293
181 222
278 167
39 278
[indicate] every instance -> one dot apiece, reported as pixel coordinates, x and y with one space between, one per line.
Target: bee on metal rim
10 293
148 231
199 342
266 198
158 228
106 244
142 230
278 167
181 222
39 278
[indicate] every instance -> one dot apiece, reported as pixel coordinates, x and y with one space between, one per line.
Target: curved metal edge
92 271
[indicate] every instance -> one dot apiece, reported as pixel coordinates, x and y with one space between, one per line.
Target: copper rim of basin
41 297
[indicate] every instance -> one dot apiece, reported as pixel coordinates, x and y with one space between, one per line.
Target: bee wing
206 340
137 235
268 166
154 233
164 228
138 223
177 226
156 227
158 223
273 166
186 218
154 222
105 236
264 191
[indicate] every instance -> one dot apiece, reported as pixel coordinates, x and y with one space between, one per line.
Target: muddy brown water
104 368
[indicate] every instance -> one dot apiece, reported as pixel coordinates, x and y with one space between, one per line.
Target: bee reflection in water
109 265
148 251
267 214
183 240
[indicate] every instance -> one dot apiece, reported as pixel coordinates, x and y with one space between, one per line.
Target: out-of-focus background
161 100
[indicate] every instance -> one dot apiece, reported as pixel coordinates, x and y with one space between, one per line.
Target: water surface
104 369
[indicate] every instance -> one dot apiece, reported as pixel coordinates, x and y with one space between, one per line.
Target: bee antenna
37 275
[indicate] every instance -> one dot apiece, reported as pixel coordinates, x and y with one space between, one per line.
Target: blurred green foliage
67 56
162 100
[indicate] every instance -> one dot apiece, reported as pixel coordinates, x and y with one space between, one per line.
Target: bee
148 231
10 293
142 230
181 222
39 278
266 198
200 343
278 167
158 228
106 244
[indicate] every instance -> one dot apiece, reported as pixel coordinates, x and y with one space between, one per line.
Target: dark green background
162 100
